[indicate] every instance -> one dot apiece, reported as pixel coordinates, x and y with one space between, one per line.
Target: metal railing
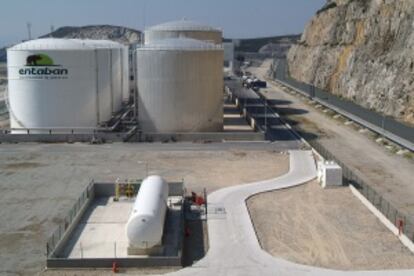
60 231
386 126
403 222
396 217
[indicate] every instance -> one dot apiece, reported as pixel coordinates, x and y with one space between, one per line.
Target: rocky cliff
279 48
362 50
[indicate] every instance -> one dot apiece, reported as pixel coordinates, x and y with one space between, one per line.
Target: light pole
265 113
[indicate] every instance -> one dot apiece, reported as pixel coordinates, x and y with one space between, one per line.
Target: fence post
81 250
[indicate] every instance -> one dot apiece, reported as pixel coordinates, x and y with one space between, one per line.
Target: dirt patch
40 183
326 228
22 166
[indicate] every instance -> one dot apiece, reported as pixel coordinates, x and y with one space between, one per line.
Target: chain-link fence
377 122
67 221
404 223
398 218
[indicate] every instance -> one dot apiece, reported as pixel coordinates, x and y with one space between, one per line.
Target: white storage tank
53 85
104 74
180 86
126 86
145 225
183 28
113 57
117 74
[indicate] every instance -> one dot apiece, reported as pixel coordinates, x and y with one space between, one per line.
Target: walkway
234 248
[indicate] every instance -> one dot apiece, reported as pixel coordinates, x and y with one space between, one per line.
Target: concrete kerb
68 232
403 238
234 247
106 190
202 136
61 138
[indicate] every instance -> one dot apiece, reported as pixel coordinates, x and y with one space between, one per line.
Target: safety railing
403 222
60 231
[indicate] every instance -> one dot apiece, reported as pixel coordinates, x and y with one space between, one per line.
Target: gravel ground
40 182
371 162
326 228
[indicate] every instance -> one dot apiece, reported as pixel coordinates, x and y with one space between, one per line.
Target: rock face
279 48
361 50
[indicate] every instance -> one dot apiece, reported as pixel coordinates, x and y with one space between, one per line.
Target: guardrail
396 217
75 213
383 125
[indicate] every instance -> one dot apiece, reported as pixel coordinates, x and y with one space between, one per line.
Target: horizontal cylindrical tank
52 84
145 226
180 86
183 28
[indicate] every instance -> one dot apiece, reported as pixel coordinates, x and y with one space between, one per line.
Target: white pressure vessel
145 226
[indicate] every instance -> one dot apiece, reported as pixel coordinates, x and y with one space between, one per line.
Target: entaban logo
42 65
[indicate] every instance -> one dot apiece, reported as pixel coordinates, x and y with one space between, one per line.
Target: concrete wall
108 189
121 262
60 138
213 136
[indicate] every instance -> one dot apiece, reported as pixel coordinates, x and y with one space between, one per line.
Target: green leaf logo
39 60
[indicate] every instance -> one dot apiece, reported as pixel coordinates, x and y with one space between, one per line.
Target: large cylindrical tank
180 86
183 28
113 58
104 73
126 88
145 226
117 74
53 85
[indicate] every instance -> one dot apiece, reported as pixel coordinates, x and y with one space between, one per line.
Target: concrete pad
101 232
234 247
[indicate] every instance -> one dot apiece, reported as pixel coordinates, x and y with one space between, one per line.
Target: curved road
234 248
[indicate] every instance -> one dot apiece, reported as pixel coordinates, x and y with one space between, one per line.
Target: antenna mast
29 30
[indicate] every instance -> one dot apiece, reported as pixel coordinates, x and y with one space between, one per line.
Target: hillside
362 51
115 33
255 44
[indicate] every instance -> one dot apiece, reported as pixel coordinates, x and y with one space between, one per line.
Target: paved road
266 118
387 126
182 146
234 248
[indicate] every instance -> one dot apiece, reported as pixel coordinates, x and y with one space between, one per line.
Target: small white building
329 174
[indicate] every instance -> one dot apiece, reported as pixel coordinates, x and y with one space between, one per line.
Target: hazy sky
237 18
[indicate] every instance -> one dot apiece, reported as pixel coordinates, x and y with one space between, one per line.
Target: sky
237 18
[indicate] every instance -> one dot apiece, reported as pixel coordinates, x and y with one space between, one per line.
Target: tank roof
181 43
52 44
182 25
101 43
